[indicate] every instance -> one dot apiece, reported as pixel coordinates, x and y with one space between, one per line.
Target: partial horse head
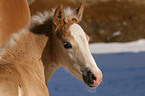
71 46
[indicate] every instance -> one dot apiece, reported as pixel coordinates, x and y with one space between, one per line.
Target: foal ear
80 12
59 15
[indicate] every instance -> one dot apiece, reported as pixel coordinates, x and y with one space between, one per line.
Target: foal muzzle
92 79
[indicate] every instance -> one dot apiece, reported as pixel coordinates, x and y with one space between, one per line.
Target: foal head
71 46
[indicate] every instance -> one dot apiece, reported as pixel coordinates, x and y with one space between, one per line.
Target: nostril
93 77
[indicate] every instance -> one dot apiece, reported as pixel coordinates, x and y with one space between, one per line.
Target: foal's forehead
76 29
77 32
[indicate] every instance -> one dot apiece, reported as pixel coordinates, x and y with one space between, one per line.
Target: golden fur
23 60
29 58
14 15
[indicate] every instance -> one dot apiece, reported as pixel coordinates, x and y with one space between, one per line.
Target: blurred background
103 18
106 21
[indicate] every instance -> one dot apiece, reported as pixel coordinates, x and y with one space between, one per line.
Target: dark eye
67 45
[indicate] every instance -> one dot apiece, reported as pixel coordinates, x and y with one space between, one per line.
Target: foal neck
32 49
25 48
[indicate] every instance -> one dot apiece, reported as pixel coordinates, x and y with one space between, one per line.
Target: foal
29 58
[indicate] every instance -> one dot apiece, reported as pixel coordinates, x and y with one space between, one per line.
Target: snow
103 48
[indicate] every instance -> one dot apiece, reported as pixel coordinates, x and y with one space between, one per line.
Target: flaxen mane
37 20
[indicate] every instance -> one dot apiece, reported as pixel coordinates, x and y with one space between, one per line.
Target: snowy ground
134 47
123 71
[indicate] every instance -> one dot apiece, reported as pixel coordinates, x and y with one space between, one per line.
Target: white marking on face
79 35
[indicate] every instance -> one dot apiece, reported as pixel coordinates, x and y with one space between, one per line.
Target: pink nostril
98 77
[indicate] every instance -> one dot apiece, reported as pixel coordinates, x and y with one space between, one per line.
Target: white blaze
79 35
